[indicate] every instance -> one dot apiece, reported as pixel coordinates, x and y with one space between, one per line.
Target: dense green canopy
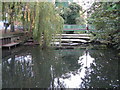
71 14
105 17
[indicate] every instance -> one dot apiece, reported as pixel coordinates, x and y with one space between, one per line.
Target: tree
10 8
71 13
47 23
18 11
106 20
39 18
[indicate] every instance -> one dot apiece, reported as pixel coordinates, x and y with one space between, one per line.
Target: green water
31 67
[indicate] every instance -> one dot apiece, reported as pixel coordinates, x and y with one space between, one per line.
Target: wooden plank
30 40
10 44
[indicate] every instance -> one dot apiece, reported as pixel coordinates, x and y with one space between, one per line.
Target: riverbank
62 41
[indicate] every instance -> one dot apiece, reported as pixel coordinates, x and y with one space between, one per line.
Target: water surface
31 67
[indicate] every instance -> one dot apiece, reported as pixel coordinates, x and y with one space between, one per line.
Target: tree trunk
44 44
23 21
6 26
12 26
12 19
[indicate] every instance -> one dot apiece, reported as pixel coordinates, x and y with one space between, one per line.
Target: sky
84 3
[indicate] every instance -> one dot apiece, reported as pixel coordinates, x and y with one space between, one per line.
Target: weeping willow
40 18
47 23
12 9
16 13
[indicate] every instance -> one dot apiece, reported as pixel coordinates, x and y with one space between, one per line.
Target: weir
71 39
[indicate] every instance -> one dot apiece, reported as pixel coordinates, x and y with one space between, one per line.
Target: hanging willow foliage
47 23
38 17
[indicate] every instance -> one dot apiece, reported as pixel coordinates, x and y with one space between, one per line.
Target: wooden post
9 48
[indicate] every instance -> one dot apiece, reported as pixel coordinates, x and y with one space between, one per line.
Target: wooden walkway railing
78 28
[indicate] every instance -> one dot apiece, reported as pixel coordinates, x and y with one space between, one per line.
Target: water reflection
74 79
80 68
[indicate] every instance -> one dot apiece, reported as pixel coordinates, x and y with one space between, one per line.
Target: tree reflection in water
74 79
78 68
103 72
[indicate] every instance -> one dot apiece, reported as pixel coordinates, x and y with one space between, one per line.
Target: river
31 67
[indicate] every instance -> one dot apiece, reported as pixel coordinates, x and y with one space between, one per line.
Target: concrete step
72 37
65 44
76 35
71 40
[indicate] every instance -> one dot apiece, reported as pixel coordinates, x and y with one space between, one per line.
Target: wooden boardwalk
9 45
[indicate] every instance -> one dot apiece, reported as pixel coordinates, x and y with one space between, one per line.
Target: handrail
73 27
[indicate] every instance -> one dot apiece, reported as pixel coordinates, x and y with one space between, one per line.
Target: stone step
72 37
65 44
76 35
70 40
